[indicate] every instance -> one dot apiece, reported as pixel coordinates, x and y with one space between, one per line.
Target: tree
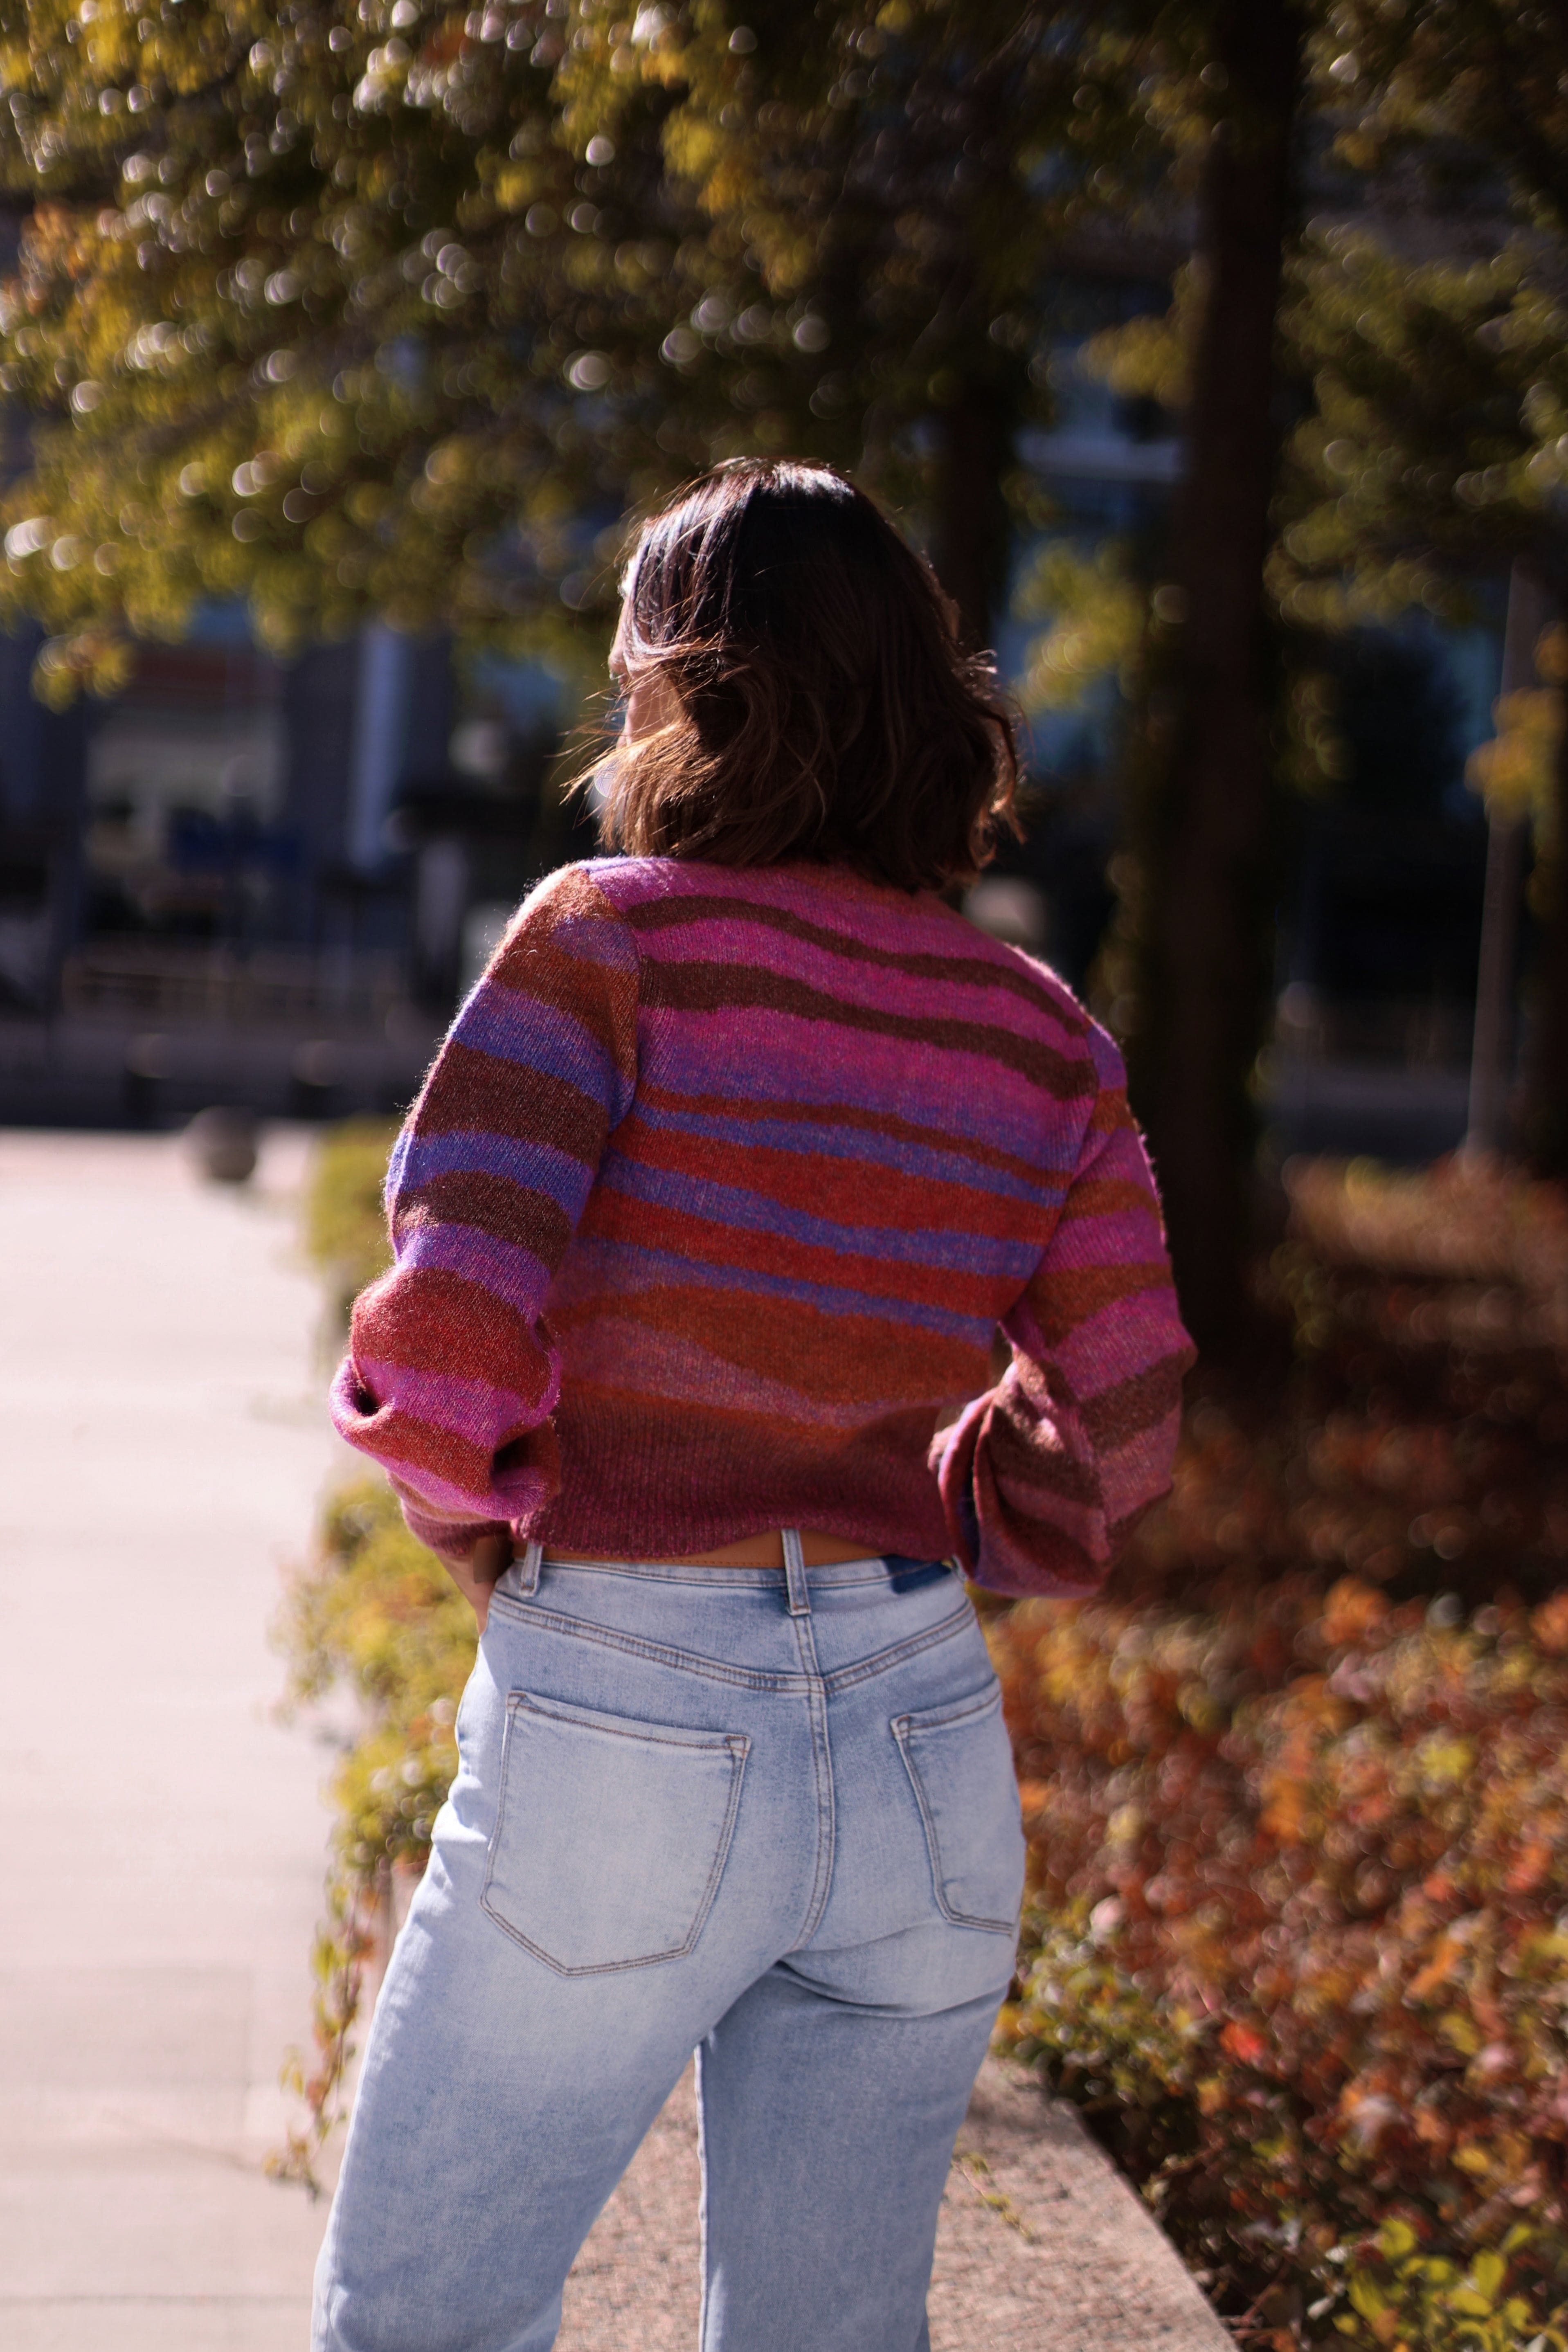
1190 962
399 308
1439 453
1201 921
1426 338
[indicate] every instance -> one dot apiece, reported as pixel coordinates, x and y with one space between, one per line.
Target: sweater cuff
515 1483
954 1462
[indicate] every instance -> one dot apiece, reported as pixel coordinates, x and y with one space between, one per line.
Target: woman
704 1222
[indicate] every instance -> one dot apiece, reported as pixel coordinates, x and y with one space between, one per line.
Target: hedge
1296 1942
1296 1790
375 1614
344 1223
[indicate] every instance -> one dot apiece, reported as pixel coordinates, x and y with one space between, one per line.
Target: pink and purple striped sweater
707 1214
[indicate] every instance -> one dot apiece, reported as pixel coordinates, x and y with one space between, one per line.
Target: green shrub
374 1615
377 1615
345 1223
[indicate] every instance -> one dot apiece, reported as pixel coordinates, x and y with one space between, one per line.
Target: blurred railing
265 988
1416 1034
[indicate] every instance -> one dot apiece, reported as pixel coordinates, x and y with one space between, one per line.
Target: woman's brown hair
819 703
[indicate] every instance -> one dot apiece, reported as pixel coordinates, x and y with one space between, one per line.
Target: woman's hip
658 1780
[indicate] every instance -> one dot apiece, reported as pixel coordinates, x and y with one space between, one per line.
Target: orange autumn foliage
1297 1797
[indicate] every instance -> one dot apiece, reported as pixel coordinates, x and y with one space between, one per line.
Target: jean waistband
794 1579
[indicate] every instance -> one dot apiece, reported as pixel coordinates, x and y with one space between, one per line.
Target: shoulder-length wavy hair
818 704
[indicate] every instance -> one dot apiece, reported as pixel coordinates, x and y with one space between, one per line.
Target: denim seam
586 1719
936 1719
554 1621
822 1769
704 2242
738 1746
863 1669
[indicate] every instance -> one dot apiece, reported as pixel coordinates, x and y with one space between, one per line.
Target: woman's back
711 1207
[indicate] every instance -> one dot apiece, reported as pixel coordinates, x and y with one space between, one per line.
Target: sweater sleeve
452 1373
1043 1478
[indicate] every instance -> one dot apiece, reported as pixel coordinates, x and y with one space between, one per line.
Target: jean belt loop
795 1574
528 1570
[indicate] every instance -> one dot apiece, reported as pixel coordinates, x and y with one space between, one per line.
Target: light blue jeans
766 1814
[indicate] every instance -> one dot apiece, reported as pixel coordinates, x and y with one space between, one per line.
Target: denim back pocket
960 1763
611 1835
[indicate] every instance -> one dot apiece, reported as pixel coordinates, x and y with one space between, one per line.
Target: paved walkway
1042 2246
164 1445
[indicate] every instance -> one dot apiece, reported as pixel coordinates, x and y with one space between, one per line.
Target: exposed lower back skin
820 1549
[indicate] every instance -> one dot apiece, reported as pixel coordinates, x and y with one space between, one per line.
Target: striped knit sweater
707 1214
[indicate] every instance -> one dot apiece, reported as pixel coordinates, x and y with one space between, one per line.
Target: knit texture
708 1214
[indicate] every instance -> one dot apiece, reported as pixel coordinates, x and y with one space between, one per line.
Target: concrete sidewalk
164 1447
1042 2247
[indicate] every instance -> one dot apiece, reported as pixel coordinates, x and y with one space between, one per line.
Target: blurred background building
259 882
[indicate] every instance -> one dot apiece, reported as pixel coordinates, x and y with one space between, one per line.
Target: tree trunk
1203 922
1546 1083
1529 608
973 531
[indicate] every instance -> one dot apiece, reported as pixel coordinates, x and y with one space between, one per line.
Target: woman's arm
452 1374
1045 1477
